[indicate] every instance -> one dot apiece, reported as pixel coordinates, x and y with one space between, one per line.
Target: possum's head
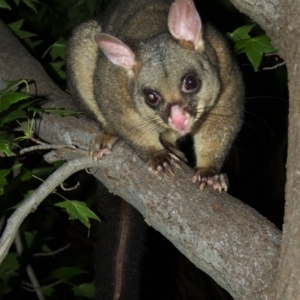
175 81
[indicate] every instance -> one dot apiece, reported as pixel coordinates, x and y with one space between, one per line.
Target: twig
38 141
30 289
274 67
53 252
91 172
52 284
71 188
27 289
46 147
33 201
271 54
35 283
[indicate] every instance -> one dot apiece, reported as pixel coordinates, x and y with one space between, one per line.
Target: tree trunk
281 21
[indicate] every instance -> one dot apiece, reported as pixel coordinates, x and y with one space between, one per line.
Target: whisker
262 120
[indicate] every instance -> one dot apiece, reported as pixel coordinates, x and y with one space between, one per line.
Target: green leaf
85 289
16 28
57 66
15 111
3 174
3 181
32 44
263 43
58 49
14 115
42 171
26 195
4 288
91 4
35 109
241 33
46 248
241 45
255 57
3 4
30 4
25 175
29 238
253 53
11 85
5 146
78 210
66 273
17 2
48 291
15 182
10 98
62 112
8 269
9 266
255 48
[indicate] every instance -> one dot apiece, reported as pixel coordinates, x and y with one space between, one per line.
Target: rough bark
221 235
281 21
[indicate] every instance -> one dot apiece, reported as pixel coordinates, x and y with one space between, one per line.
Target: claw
174 156
102 145
163 162
194 179
153 170
219 182
202 185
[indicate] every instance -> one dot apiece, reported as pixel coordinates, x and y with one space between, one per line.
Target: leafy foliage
29 3
8 269
51 22
84 289
62 112
17 106
3 177
16 28
4 4
254 47
14 106
17 181
66 273
78 210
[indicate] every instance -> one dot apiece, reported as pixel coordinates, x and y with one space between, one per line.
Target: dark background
255 167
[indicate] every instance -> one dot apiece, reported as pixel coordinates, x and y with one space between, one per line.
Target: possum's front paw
102 145
163 161
205 177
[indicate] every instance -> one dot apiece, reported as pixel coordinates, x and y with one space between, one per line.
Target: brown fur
114 95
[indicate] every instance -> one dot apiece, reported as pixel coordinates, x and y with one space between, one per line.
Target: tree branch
222 236
35 283
281 21
33 201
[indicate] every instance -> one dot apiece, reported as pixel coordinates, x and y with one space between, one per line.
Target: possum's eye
152 98
190 84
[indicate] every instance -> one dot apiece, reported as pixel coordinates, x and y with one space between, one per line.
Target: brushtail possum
150 72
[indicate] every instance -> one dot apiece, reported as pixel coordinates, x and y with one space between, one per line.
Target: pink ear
115 50
184 21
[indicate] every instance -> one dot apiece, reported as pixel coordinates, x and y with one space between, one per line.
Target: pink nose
178 117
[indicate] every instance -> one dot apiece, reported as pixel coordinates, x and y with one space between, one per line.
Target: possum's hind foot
219 182
102 145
